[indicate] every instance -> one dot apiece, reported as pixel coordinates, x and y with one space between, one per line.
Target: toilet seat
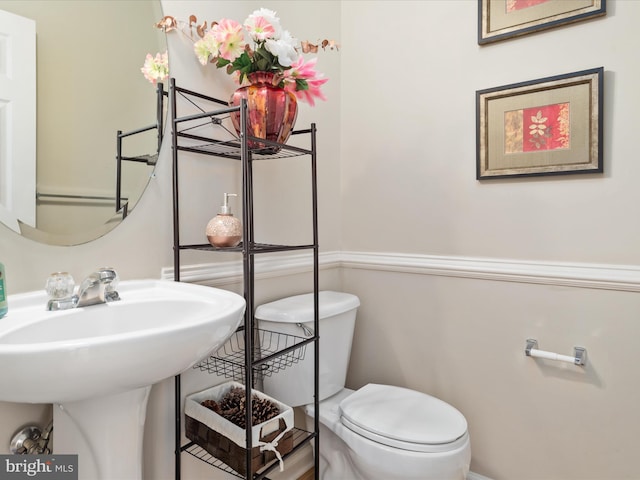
403 418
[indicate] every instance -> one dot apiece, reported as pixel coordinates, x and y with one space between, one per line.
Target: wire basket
229 360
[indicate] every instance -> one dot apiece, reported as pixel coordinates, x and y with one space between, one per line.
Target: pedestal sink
97 364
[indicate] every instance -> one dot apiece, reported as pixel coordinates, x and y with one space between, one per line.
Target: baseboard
476 476
579 275
308 475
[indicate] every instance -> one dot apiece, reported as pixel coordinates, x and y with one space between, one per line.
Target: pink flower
305 71
313 91
259 20
230 39
259 28
156 69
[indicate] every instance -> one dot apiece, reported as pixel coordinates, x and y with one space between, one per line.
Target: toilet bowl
378 432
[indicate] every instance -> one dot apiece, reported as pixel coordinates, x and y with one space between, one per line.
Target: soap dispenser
224 230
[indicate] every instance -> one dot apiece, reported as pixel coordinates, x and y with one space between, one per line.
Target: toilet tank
294 316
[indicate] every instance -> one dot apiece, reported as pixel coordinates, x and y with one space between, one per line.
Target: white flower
284 49
206 48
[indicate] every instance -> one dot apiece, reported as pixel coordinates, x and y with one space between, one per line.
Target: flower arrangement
260 44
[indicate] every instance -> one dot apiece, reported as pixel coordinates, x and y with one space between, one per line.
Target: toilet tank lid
299 308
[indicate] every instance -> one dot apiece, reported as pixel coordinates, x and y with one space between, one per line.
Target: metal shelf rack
261 352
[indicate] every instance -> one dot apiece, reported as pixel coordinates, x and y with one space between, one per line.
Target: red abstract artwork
538 128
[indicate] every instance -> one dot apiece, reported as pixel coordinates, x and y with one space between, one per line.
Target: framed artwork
502 19
546 126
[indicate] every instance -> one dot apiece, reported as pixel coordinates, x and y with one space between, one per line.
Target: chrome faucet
99 287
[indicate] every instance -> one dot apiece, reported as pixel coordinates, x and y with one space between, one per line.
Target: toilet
378 432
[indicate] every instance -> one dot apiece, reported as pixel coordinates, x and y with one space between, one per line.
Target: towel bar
579 354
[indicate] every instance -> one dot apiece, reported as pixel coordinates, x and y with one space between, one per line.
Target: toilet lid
399 417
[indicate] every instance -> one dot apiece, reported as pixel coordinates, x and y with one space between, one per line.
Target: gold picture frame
547 126
503 19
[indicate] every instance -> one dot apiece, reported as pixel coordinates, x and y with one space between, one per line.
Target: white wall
410 70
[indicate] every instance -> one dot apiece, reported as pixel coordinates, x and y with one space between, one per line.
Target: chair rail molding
580 275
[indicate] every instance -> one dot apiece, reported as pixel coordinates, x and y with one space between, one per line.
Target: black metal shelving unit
250 349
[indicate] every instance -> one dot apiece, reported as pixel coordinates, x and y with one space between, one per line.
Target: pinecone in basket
211 405
235 398
232 407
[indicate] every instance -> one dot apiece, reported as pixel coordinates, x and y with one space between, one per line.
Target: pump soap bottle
224 230
3 293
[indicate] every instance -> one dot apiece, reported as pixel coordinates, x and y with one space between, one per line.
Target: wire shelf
299 436
231 149
229 360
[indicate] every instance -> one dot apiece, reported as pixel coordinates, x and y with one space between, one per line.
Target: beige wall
397 176
409 75
463 340
410 71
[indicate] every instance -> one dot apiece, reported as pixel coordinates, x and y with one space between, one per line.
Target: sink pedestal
105 432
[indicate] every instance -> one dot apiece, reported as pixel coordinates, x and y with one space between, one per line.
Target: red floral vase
271 110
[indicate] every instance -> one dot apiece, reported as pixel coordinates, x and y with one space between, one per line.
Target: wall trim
266 266
580 275
583 275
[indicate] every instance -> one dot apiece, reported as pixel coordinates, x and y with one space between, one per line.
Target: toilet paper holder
579 354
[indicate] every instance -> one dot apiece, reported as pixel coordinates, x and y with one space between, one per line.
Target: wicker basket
226 441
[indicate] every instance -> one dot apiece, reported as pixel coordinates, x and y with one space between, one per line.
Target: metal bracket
581 355
531 344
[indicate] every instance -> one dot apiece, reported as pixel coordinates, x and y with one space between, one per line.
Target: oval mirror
88 87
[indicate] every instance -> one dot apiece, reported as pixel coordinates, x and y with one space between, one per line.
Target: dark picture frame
503 19
547 126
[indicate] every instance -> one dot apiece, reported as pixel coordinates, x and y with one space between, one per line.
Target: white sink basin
96 364
158 329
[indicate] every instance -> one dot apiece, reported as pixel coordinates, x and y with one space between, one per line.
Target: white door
17 120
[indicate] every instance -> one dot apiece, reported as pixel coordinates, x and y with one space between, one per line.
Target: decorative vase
271 110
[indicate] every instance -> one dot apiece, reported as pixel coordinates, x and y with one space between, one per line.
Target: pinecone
211 405
236 416
232 407
263 410
235 398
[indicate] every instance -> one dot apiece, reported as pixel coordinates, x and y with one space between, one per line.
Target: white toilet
379 432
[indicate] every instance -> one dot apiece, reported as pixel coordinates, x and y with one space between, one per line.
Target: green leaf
222 62
242 63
